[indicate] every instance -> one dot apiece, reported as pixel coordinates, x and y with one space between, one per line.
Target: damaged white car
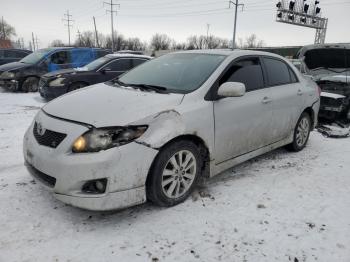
152 133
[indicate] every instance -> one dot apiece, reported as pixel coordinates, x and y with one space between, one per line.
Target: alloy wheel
303 131
179 174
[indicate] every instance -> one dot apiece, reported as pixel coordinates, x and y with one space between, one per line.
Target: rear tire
31 84
174 173
301 133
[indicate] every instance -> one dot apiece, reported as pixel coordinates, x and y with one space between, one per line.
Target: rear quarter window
277 71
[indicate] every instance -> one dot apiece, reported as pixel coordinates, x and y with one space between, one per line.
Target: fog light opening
95 186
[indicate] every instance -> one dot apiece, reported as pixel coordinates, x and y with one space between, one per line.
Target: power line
112 11
67 18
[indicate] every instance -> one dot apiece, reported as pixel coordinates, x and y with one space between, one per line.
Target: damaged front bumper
125 168
9 84
333 107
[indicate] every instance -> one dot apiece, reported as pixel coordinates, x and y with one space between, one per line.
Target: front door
243 124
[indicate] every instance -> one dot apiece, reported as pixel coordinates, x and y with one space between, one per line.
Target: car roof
126 55
232 53
16 49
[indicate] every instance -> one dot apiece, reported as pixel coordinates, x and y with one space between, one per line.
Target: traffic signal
306 8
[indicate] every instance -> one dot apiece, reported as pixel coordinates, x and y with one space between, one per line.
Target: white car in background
152 133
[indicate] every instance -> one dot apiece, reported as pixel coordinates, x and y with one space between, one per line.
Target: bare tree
210 42
134 44
86 39
57 43
6 30
252 41
160 42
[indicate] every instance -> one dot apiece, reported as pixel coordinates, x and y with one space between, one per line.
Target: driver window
247 71
60 58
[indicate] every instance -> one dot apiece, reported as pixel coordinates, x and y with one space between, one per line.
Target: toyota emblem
40 129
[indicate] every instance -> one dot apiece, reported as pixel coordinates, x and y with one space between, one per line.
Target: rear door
116 67
287 96
243 124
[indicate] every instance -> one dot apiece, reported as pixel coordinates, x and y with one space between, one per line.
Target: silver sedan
154 131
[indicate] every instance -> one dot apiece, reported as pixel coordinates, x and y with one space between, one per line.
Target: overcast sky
177 18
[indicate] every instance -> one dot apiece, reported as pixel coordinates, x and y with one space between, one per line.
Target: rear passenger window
277 71
137 62
120 65
246 71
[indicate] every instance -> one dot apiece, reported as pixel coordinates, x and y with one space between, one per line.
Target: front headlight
99 139
57 82
7 75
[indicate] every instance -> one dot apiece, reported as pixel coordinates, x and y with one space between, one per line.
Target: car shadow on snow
250 168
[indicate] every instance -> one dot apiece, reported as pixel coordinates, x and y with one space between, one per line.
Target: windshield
327 58
96 63
35 57
178 72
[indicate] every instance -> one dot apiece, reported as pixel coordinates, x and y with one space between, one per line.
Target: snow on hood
103 105
336 78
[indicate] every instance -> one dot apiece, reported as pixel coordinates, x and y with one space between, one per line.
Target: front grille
45 179
42 82
48 138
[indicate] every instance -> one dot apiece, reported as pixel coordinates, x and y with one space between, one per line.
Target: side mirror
232 89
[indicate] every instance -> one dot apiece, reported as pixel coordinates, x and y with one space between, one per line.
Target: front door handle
266 100
300 93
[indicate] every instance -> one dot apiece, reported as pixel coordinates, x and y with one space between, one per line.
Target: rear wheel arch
311 114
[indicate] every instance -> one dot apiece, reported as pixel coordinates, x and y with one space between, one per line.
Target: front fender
163 127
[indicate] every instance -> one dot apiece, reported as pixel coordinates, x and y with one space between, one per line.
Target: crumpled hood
104 105
13 66
342 78
61 72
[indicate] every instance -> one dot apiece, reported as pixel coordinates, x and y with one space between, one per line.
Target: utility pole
96 34
67 18
3 28
33 41
236 4
208 27
37 42
112 11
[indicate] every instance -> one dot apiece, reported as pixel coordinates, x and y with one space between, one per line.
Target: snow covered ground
279 207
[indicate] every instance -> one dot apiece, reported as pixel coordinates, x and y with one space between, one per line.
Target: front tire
31 84
174 173
301 133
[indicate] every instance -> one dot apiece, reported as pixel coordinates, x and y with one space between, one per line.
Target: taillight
319 90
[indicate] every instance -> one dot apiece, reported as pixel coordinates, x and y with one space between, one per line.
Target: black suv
12 55
57 83
25 74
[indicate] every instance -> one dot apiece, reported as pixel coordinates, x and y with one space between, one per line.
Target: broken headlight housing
58 82
98 139
8 75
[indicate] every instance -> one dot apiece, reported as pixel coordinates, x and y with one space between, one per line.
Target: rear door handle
300 93
266 100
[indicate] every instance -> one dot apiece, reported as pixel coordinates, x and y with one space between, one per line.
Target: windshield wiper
158 89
